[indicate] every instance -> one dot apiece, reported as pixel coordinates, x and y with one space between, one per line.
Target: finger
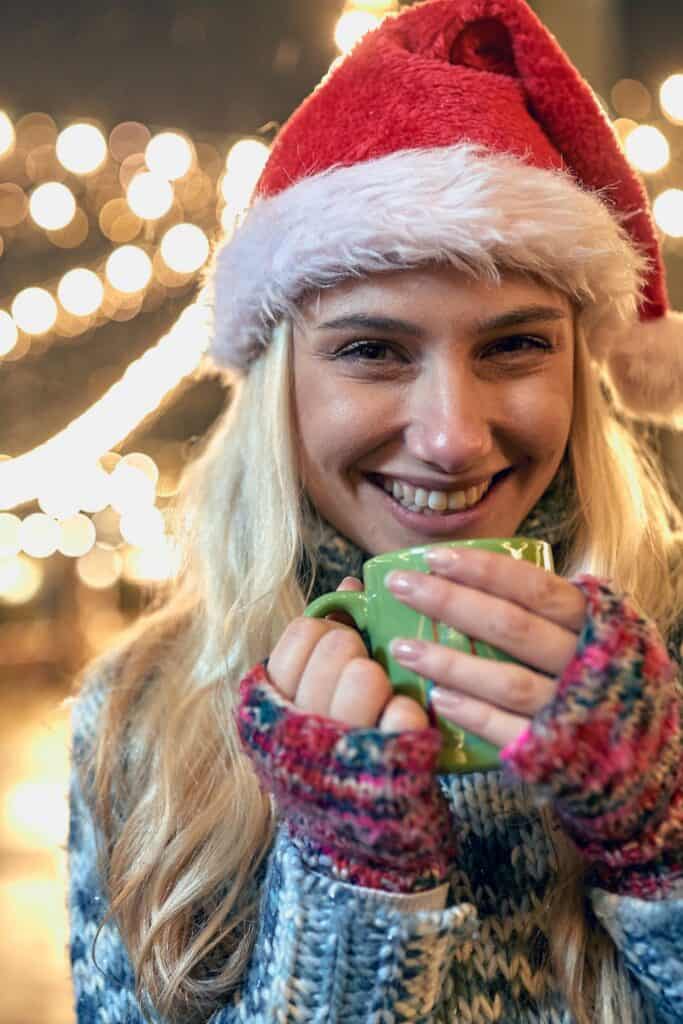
324 667
361 694
292 652
507 626
479 717
505 684
530 586
348 583
402 713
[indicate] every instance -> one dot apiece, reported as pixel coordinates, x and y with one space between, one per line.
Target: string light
647 149
9 335
39 535
81 148
668 212
20 580
34 310
149 195
169 155
52 206
129 269
7 136
185 248
671 98
352 26
10 539
80 292
76 536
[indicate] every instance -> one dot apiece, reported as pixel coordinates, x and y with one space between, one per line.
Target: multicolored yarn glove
362 805
607 750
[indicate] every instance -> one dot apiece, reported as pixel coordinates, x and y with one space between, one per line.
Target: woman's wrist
361 805
607 749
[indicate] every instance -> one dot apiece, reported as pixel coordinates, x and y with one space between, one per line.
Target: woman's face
430 406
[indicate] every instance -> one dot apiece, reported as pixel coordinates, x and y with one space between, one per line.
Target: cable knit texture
607 749
364 800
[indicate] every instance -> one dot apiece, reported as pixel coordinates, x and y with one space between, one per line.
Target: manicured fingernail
406 650
441 558
397 582
445 698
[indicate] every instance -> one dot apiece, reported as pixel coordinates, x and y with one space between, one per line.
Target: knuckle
545 591
376 685
512 625
521 690
340 641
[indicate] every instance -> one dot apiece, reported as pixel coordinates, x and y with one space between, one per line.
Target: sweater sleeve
325 950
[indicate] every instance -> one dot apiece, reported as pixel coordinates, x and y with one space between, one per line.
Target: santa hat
457 131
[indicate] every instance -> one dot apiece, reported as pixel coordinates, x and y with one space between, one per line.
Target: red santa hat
460 132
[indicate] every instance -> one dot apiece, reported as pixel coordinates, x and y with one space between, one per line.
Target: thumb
348 583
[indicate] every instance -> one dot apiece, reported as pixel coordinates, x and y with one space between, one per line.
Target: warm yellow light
149 195
52 206
81 148
352 26
129 269
668 212
9 334
34 310
80 292
647 149
142 527
93 489
57 495
153 564
39 535
244 165
100 568
185 248
7 137
144 464
37 813
10 536
76 536
131 487
169 155
20 580
671 98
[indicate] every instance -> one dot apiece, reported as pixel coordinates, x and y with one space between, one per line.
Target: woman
441 279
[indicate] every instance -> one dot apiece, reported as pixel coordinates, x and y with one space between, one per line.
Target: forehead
431 291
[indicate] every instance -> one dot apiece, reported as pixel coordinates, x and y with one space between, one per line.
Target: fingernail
441 558
398 582
406 650
446 698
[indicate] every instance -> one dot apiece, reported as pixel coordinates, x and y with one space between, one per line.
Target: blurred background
130 135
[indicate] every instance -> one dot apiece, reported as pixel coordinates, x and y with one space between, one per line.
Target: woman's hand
531 614
322 666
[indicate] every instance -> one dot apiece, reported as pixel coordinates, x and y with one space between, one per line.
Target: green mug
381 616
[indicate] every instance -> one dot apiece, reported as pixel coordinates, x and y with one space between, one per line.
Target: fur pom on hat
458 131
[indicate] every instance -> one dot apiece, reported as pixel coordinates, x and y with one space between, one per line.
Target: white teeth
417 499
438 500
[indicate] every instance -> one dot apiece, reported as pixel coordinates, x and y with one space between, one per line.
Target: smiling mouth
435 503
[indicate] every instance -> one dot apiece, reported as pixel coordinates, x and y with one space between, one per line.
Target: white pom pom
646 369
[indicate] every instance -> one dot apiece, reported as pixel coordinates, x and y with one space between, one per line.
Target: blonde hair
186 828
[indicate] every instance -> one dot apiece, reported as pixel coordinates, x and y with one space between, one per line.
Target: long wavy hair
185 829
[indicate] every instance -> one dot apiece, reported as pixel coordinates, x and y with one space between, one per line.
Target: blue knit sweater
471 951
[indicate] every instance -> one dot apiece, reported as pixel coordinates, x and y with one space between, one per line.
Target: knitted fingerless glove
607 750
361 805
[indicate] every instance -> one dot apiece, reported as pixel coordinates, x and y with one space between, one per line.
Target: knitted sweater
472 950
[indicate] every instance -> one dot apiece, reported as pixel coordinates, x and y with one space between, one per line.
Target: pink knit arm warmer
607 750
361 805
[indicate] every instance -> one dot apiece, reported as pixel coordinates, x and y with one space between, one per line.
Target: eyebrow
513 318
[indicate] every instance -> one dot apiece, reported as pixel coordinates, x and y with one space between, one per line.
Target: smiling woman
442 325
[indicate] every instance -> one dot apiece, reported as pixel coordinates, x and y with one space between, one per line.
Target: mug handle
353 602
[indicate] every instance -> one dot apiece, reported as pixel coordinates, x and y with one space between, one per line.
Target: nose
450 419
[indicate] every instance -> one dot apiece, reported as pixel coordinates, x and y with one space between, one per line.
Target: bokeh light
10 535
128 138
34 310
244 165
169 155
630 98
671 98
52 206
9 335
668 212
7 136
81 148
129 269
100 568
80 292
155 563
131 487
142 527
647 149
352 26
20 580
149 195
185 248
13 204
76 536
39 535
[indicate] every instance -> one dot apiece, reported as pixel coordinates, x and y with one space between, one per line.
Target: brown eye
518 343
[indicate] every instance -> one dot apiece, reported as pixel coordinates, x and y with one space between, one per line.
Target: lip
441 525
